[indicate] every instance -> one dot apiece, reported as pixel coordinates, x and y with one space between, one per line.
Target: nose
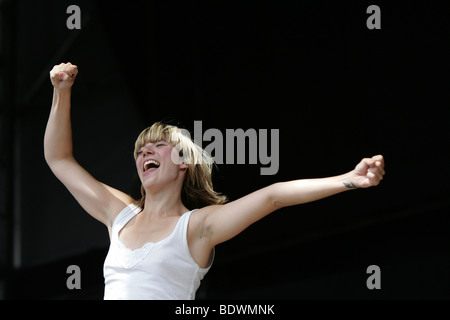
148 151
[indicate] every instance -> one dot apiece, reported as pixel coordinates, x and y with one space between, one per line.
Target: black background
336 91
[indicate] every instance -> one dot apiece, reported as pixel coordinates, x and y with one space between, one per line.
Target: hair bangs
156 133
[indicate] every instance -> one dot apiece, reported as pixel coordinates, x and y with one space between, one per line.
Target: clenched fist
63 75
369 172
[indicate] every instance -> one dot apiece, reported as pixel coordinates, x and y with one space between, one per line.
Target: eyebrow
156 142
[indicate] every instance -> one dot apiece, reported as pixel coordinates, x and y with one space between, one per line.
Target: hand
63 76
369 172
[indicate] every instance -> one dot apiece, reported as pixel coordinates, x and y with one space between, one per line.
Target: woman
163 245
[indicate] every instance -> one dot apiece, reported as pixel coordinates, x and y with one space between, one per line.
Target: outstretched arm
99 200
369 172
223 222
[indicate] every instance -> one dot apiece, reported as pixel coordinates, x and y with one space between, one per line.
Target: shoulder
199 215
122 211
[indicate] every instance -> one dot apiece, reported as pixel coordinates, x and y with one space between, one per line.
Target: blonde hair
197 190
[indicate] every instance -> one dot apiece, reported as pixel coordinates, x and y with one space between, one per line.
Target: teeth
149 162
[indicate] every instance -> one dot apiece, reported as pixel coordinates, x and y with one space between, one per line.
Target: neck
163 204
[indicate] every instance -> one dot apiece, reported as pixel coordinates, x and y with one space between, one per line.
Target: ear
183 166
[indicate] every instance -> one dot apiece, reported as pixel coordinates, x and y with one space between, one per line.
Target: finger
380 166
67 73
378 174
367 161
371 175
57 76
373 179
362 166
377 170
72 71
54 72
63 76
379 158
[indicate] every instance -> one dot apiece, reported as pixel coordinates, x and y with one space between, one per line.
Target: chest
136 233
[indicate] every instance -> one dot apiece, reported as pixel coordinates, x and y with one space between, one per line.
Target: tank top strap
183 224
123 217
181 233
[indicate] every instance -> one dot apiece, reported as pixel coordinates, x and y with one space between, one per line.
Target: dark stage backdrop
335 91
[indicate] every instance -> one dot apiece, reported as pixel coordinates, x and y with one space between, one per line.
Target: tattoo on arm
350 185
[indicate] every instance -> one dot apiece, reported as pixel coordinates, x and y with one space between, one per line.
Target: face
155 165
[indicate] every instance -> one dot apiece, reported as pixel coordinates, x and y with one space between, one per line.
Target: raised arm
99 200
223 222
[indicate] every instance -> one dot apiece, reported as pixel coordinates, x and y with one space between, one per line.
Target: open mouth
151 164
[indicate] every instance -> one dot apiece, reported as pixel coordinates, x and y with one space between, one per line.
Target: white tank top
162 270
